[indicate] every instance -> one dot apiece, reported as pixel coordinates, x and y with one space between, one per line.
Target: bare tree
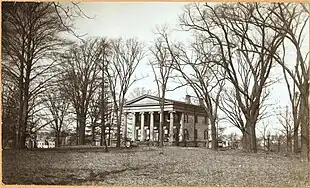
94 115
265 132
58 108
80 79
294 98
30 39
9 113
245 44
204 76
233 113
292 19
286 120
126 56
105 92
164 56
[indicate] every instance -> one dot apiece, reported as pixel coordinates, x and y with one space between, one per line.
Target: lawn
178 166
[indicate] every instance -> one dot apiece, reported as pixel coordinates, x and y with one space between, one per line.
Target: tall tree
105 92
126 55
197 66
164 56
80 79
58 110
292 19
30 38
245 45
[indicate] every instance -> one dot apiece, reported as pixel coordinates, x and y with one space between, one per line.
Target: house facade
183 122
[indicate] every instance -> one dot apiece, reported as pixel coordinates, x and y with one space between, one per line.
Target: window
186 135
156 117
196 119
195 134
206 120
186 118
205 135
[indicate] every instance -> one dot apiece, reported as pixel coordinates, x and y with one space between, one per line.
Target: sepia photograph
155 93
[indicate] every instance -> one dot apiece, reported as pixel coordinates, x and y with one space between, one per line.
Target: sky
139 20
133 20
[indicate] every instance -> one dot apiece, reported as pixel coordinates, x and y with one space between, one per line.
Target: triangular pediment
145 100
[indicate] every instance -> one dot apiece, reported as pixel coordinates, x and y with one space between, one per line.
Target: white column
142 126
151 126
125 125
181 127
133 127
171 128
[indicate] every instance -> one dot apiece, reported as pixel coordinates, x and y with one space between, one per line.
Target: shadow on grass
88 176
99 176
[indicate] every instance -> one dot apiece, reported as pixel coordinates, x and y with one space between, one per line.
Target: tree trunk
57 139
253 139
250 137
279 144
245 140
20 122
161 121
118 136
295 144
77 128
288 142
103 141
109 136
304 125
82 125
268 143
23 128
93 133
214 141
21 138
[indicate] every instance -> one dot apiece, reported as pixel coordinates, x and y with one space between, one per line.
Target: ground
146 166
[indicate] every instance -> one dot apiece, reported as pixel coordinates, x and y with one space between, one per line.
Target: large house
184 122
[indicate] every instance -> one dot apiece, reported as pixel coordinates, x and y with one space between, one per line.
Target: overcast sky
139 20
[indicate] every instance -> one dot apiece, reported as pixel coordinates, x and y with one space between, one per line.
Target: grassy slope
145 166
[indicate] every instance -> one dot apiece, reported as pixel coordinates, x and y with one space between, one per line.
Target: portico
145 119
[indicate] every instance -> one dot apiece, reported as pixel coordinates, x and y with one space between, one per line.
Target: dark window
206 120
186 136
186 118
196 119
205 135
195 134
156 117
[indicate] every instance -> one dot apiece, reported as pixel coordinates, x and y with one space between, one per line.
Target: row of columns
152 125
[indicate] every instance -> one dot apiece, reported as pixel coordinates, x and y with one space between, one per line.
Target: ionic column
142 126
171 128
181 127
133 127
151 126
125 125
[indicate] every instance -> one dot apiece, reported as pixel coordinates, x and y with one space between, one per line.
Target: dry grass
146 166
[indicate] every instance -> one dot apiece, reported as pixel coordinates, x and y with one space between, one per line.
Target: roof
156 101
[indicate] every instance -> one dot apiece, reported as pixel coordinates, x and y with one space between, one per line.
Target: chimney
187 99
